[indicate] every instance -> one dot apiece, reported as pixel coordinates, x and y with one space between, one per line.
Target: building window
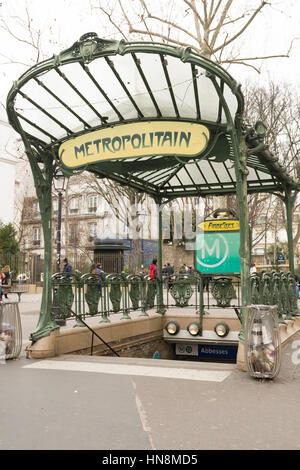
92 231
73 234
92 204
35 206
56 234
37 236
55 206
74 206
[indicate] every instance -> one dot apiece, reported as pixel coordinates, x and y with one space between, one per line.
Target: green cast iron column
160 299
43 185
289 201
42 167
240 152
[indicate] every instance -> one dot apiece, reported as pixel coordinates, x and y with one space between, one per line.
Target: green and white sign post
217 247
217 250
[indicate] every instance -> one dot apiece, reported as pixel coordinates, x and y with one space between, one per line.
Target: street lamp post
142 214
59 185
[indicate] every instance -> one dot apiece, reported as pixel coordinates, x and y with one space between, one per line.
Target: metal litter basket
263 345
10 331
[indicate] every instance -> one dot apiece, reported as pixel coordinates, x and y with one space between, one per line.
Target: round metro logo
217 252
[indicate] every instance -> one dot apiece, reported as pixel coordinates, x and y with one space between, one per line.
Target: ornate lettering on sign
135 140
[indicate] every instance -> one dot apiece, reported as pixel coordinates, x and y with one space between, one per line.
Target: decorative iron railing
123 294
275 288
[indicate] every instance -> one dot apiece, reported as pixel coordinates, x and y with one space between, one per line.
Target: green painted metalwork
151 293
92 294
63 295
160 302
126 309
104 298
134 290
115 293
143 289
289 201
243 147
223 291
181 289
292 297
78 298
275 288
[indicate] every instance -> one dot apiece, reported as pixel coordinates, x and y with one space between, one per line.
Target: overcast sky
62 22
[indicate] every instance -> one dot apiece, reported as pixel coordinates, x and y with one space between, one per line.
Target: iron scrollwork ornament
223 291
182 290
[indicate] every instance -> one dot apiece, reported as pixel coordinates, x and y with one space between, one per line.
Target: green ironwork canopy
158 118
98 84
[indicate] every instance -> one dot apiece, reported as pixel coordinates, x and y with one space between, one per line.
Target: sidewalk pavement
105 403
83 402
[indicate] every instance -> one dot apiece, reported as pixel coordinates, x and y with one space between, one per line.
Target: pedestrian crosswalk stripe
136 370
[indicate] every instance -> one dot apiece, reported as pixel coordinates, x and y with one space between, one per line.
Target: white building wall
7 174
7 189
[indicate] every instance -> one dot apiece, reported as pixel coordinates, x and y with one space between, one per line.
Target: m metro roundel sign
217 247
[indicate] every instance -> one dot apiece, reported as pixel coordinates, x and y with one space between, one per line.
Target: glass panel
184 177
263 175
112 87
182 83
153 70
232 171
195 173
231 101
208 172
61 88
30 112
50 104
33 131
130 75
221 172
208 98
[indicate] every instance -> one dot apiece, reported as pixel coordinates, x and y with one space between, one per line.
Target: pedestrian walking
153 269
99 274
169 272
67 269
151 291
297 281
6 280
1 278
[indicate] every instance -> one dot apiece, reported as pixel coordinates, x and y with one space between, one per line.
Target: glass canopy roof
98 84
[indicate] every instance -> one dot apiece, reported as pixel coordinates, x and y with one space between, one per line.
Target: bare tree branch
241 30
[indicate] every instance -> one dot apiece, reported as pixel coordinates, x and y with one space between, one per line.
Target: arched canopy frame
100 88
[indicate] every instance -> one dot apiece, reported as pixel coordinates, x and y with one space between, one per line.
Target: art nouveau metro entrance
164 121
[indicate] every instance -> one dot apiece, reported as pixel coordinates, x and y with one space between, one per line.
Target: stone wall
177 256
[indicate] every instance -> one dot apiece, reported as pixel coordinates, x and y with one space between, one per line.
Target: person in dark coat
67 267
169 272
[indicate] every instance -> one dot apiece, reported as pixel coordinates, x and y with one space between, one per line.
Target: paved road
82 402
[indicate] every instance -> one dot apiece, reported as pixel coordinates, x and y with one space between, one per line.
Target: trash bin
262 345
10 331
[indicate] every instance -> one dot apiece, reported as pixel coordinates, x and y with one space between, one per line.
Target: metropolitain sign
135 140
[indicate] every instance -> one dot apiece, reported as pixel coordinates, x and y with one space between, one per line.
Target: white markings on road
125 369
